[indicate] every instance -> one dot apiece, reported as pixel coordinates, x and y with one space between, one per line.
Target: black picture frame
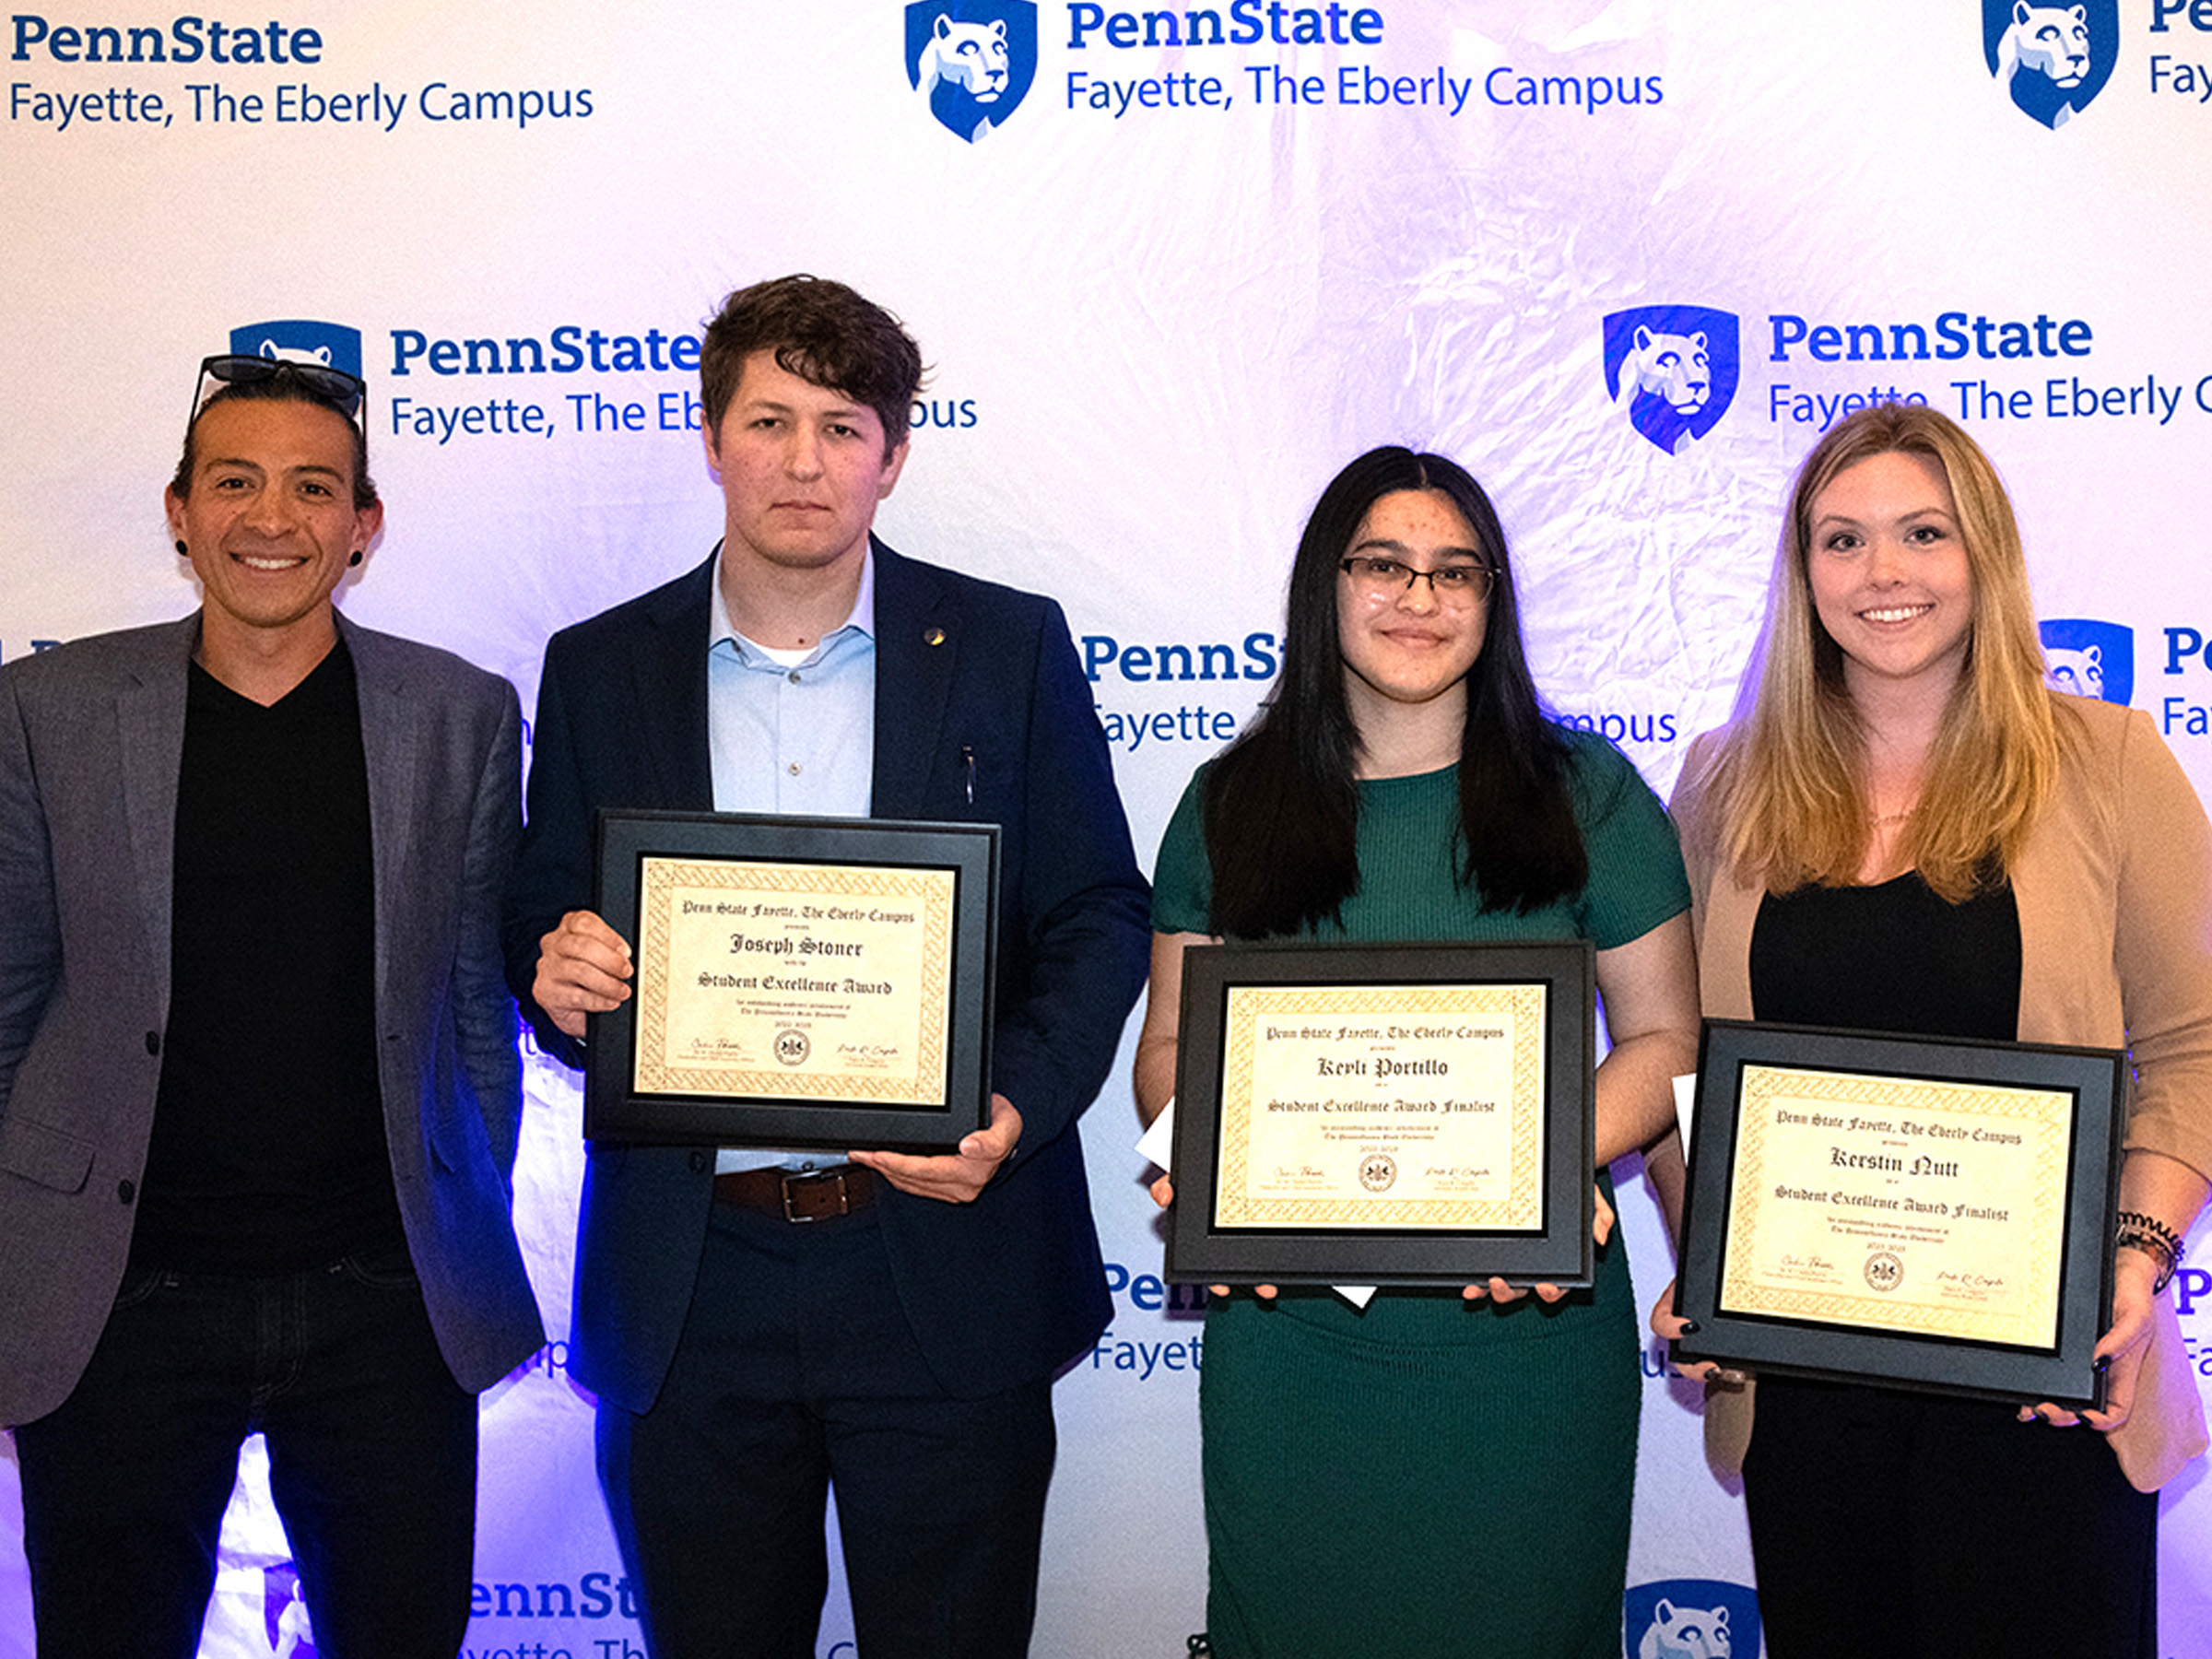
1734 1058
1557 1249
617 1107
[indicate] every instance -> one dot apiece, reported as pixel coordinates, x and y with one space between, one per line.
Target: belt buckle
811 1178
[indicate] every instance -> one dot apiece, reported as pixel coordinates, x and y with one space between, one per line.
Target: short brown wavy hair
824 333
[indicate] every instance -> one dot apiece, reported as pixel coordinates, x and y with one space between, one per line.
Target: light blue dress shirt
792 732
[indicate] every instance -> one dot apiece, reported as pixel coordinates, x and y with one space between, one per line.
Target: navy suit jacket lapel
917 641
669 693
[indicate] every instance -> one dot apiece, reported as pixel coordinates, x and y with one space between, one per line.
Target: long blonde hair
1788 783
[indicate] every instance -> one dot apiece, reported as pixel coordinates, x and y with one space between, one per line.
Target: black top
268 1148
1890 957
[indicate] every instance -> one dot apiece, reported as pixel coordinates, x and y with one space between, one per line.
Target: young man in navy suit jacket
761 1325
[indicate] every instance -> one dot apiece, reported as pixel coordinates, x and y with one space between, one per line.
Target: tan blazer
2114 890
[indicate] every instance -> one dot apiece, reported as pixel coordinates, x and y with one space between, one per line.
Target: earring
355 558
180 551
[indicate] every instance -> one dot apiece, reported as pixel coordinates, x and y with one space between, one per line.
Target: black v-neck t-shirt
268 1148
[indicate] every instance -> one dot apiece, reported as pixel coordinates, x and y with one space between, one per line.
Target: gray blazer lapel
395 756
392 752
149 719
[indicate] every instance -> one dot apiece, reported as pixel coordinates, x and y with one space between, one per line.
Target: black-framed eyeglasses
1376 579
347 394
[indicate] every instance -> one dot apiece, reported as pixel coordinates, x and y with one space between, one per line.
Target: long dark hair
1282 805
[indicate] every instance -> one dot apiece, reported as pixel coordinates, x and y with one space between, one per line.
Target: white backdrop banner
1626 259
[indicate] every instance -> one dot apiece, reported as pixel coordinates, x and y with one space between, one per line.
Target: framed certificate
799 981
1407 1114
1929 1214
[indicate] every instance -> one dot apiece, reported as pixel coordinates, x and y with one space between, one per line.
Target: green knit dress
1430 1478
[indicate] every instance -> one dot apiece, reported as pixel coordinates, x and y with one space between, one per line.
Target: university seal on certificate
799 981
1378 1114
1936 1213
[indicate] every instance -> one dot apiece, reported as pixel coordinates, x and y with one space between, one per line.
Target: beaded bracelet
2151 1224
2152 1236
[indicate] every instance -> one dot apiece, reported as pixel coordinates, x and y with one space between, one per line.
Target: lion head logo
1690 1618
2085 657
1686 1633
2047 41
1675 366
2077 672
293 354
2052 60
300 340
971 60
971 55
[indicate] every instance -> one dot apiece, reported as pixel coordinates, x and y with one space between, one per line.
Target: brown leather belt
814 1196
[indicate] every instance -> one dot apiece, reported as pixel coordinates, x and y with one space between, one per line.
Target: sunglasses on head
343 392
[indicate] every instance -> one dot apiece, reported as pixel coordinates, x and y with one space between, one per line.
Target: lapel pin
933 636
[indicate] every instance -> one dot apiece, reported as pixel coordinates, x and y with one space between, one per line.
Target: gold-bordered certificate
1385 1115
1898 1204
798 982
1904 1209
1384 1106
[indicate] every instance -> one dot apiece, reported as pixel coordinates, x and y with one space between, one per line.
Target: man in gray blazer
259 1094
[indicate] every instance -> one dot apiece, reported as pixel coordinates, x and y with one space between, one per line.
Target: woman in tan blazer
1906 831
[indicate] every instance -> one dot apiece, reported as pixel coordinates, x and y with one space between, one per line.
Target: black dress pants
1917 1526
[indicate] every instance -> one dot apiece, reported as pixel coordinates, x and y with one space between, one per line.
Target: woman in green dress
1439 1473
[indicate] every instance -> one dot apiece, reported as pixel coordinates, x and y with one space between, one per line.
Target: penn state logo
1378 1171
972 61
791 1047
1675 367
1884 1271
2083 657
1690 1618
300 340
284 1614
2052 60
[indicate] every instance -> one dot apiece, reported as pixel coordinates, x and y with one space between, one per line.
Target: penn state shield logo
972 61
2088 658
1675 368
1692 1619
301 340
284 1610
2051 59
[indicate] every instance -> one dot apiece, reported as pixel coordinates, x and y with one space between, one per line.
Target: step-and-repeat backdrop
1625 258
